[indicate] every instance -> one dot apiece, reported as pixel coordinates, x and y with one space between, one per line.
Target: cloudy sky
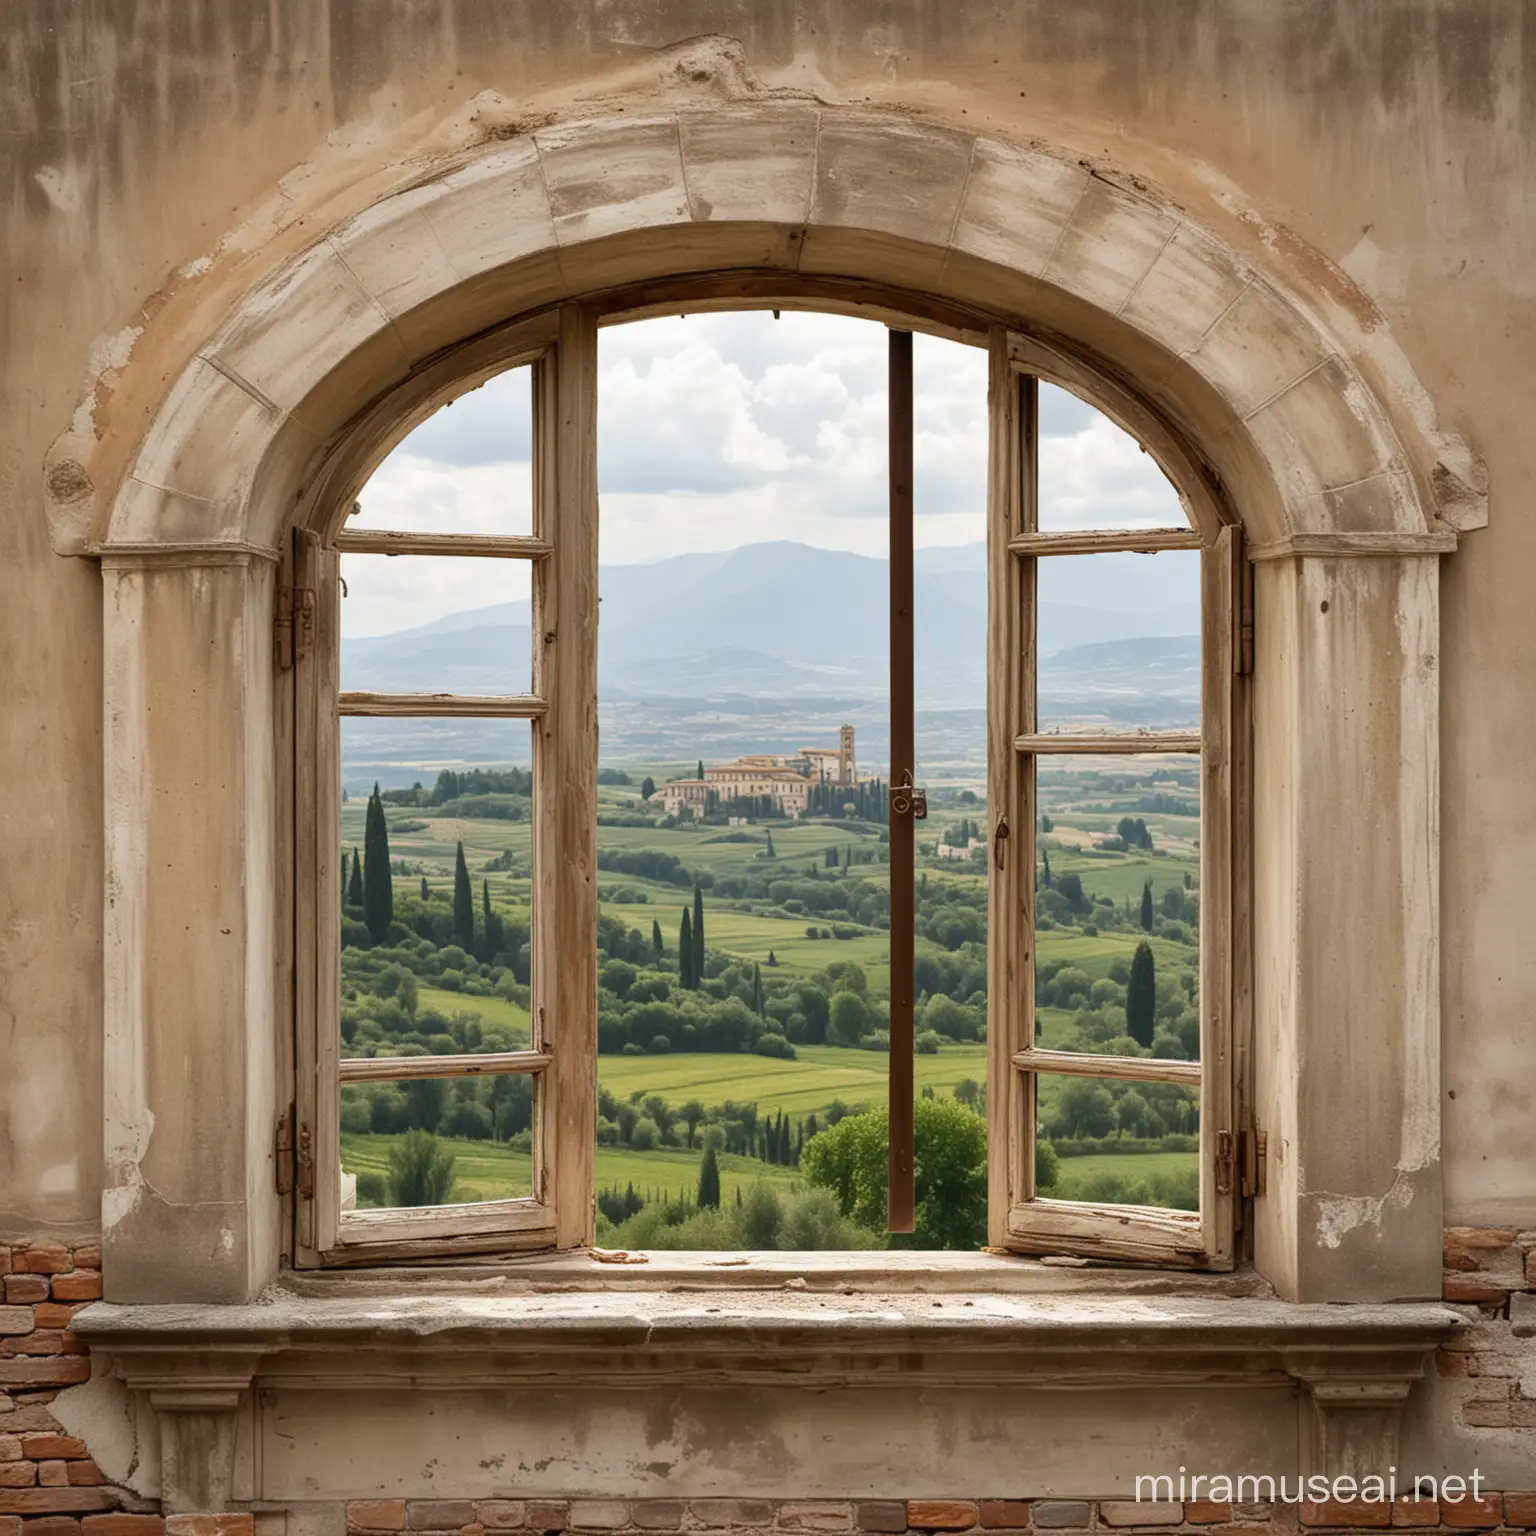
716 431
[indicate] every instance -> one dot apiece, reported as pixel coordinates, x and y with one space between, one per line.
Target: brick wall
1490 1278
49 1486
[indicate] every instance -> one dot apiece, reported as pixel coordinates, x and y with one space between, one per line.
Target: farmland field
797 944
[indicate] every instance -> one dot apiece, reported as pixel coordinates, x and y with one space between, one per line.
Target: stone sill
784 1337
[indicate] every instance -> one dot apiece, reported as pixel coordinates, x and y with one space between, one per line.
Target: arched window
402 1068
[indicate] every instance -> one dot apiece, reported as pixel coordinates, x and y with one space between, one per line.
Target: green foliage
463 903
355 884
378 883
1047 1166
1146 906
1141 996
685 976
698 935
709 1181
647 787
420 1170
950 1147
847 1019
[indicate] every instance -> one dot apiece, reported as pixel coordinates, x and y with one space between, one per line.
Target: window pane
1117 905
426 624
1095 476
1119 638
1117 1143
437 1141
467 469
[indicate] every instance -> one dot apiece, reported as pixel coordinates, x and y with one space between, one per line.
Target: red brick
42 1258
123 1525
18 1474
548 1515
53 1448
1459 1288
1411 1511
52 1501
88 1256
10 1525
10 1447
22 1290
1000 1514
1205 1512
1347 1512
1480 1514
1520 1509
941 1514
229 1524
82 1285
84 1474
499 1514
882 1515
41 1341
54 1525
55 1314
376 1514
1447 1364
44 1371
1479 1237
1485 1415
53 1474
5 1260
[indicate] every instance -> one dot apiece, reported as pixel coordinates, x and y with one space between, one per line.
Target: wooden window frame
561 350
561 347
1019 1219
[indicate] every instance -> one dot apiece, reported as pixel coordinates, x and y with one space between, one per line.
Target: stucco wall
1391 138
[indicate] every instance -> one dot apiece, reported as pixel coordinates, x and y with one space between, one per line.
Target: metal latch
906 799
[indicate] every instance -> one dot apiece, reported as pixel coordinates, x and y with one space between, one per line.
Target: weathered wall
1391 138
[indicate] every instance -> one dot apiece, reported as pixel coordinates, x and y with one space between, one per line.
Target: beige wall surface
1385 148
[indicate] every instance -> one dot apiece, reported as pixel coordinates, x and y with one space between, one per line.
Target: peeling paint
1339 1215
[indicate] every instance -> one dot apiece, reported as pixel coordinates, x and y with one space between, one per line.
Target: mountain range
785 621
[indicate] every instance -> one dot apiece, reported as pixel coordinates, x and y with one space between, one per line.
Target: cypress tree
426 894
1045 869
657 947
770 854
685 953
757 989
783 1149
355 884
463 903
378 884
698 934
1146 906
1141 995
709 1181
773 959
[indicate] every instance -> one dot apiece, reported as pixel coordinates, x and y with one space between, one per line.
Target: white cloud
720 430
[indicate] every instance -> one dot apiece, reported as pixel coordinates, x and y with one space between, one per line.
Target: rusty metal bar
901 1200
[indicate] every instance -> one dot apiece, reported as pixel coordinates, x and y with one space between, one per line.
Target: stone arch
1290 426
1317 462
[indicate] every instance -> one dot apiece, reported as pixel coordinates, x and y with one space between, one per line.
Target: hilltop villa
787 780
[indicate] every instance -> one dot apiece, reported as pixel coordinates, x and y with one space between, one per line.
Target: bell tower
847 770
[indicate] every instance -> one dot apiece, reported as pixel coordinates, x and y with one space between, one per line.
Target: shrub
420 1170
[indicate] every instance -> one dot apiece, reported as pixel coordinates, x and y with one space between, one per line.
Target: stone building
245 248
786 781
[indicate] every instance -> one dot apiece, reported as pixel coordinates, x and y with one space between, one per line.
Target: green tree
426 891
463 903
685 953
1146 906
770 854
355 884
647 787
420 1170
709 1181
848 1018
1045 868
698 934
1141 995
757 989
378 883
968 1092
950 1174
658 949
773 959
495 929
691 1114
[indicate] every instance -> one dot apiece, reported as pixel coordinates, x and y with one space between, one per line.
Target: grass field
493 1010
483 1170
822 1073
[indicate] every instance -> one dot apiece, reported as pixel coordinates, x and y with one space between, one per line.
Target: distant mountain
783 620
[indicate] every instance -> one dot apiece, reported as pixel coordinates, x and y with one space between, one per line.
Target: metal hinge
282 1151
1242 1157
294 625
1253 1159
1242 652
294 1156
